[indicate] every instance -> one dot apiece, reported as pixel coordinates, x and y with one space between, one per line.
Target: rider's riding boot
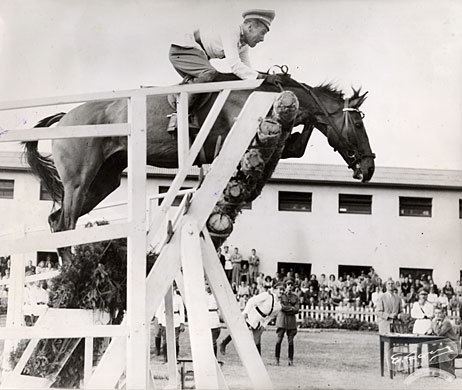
204 77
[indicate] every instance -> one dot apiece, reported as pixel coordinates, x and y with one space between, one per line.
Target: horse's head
341 121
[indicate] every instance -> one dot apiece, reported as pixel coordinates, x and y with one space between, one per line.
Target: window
295 201
416 273
353 270
6 189
354 204
44 194
300 268
460 208
415 207
177 200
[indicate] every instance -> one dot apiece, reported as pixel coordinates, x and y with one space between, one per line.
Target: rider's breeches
191 61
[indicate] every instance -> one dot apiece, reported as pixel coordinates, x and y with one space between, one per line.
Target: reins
346 110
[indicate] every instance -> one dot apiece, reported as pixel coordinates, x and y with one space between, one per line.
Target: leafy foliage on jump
96 280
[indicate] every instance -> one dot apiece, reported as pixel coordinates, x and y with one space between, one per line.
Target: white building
313 218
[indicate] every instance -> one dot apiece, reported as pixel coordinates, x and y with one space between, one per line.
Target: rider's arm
238 63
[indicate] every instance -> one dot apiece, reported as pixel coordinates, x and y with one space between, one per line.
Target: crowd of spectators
348 290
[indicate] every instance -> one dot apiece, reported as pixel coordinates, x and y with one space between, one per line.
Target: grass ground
323 360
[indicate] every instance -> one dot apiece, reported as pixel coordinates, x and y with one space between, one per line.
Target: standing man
258 313
254 262
214 318
228 46
286 321
236 260
422 311
178 321
388 308
228 264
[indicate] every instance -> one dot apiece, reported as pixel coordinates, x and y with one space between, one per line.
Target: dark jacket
290 306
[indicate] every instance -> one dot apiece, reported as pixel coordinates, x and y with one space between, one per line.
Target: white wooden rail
135 325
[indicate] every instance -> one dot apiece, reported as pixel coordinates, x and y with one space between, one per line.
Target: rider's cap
264 16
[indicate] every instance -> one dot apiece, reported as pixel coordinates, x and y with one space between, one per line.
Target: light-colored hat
265 16
423 292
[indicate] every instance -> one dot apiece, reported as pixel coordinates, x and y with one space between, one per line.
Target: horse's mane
289 82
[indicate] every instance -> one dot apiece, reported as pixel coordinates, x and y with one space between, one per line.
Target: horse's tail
43 166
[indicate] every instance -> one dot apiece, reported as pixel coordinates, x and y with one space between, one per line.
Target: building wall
322 237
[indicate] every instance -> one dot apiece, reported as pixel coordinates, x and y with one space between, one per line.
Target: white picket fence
343 312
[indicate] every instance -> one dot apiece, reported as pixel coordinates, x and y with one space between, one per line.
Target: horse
84 171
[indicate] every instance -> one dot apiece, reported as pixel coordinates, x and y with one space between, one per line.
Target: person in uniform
422 311
259 311
388 308
286 321
226 45
178 321
214 318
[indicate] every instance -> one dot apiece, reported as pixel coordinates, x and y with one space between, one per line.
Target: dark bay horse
84 171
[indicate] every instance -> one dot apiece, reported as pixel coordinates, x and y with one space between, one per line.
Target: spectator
441 326
332 283
297 280
411 297
243 293
221 257
388 308
310 297
286 321
214 318
228 263
422 311
40 267
244 274
432 296
236 259
304 285
30 268
448 290
268 283
405 286
313 282
254 263
336 297
442 300
322 281
454 303
261 280
458 288
354 295
254 290
178 320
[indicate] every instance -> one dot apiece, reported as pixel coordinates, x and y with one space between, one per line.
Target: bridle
342 133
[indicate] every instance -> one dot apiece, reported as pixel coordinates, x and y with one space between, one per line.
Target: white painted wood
12 332
171 342
138 340
88 360
60 132
167 266
159 214
258 104
42 240
183 129
79 98
225 164
229 309
205 374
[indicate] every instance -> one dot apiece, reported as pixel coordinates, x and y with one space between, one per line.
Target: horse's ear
357 99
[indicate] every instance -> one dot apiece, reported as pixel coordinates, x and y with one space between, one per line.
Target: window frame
416 206
5 191
309 202
351 202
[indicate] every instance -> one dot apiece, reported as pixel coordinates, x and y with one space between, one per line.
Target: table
400 338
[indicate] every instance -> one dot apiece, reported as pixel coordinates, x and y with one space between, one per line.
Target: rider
227 45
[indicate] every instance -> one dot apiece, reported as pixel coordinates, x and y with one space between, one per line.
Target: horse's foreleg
297 142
